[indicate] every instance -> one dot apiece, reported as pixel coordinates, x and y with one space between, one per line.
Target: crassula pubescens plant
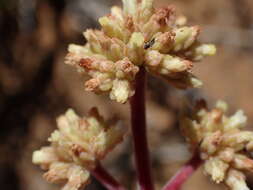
134 40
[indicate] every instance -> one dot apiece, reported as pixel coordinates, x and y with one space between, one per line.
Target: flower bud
146 10
121 90
135 48
163 42
236 180
112 27
216 168
201 51
185 37
130 6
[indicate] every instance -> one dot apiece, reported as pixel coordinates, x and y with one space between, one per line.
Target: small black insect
149 44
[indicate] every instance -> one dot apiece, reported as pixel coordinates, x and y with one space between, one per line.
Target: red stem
183 174
138 120
105 178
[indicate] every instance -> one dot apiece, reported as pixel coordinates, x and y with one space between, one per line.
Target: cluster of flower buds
76 147
138 35
222 144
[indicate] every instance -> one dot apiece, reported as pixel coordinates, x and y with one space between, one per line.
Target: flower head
76 147
222 144
138 35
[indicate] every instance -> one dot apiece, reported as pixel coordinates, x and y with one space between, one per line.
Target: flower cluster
135 36
76 147
222 144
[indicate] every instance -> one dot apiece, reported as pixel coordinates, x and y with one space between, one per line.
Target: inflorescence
139 35
76 147
222 143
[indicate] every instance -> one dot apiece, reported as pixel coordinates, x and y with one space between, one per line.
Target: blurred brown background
35 85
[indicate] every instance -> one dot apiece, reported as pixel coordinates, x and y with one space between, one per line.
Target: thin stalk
106 179
138 121
183 174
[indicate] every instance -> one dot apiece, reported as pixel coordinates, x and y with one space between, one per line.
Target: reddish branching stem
106 179
138 120
183 174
